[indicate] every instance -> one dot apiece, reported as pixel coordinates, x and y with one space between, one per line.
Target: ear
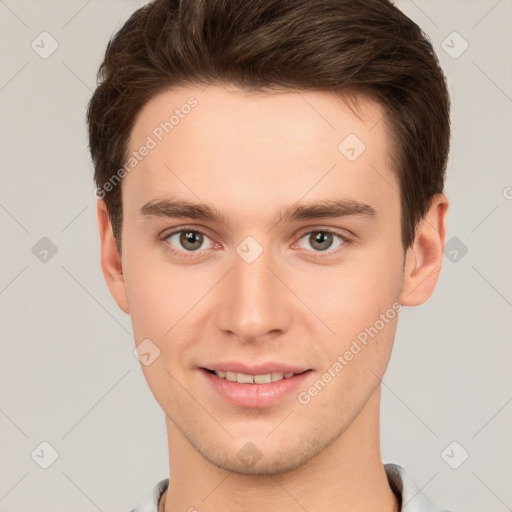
111 264
424 258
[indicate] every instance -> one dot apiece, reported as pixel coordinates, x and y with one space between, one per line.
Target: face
289 264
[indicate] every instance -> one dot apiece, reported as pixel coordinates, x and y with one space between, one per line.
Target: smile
257 390
243 378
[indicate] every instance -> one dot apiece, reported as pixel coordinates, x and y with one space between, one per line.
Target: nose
253 302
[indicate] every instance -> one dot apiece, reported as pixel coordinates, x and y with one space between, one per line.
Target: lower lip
255 395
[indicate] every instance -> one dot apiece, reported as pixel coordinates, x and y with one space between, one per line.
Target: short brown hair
366 46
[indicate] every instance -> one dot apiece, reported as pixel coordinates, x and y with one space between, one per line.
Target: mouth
244 378
257 389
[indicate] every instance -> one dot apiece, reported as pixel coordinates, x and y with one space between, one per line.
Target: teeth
231 376
243 378
263 379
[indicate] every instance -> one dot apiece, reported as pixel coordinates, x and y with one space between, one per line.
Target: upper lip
255 369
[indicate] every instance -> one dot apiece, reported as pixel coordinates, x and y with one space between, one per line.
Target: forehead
223 111
221 144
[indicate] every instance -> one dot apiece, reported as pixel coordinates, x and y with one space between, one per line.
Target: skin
249 155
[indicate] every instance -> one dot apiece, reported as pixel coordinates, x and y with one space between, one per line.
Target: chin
258 457
269 464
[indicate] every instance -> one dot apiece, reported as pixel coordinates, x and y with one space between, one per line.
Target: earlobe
111 264
424 259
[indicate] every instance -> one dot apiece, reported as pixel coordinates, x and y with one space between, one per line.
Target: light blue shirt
413 500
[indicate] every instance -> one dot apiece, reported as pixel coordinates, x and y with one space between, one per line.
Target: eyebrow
328 208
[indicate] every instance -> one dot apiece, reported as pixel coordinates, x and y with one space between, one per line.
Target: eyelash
325 254
192 254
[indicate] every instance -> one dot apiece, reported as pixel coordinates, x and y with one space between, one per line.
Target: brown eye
322 240
188 240
191 240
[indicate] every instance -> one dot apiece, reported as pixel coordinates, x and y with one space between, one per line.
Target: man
270 195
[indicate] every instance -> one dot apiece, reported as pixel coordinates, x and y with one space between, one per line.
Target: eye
190 242
187 240
323 239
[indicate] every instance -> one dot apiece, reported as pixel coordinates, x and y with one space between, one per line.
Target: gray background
68 376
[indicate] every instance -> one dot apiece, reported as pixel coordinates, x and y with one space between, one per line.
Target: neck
347 476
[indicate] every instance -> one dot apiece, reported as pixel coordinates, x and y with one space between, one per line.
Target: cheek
360 305
164 299
159 299
362 310
150 300
352 296
157 305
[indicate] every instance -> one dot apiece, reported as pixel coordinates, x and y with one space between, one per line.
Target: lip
257 369
255 396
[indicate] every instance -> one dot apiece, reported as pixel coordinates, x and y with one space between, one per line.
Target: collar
401 483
